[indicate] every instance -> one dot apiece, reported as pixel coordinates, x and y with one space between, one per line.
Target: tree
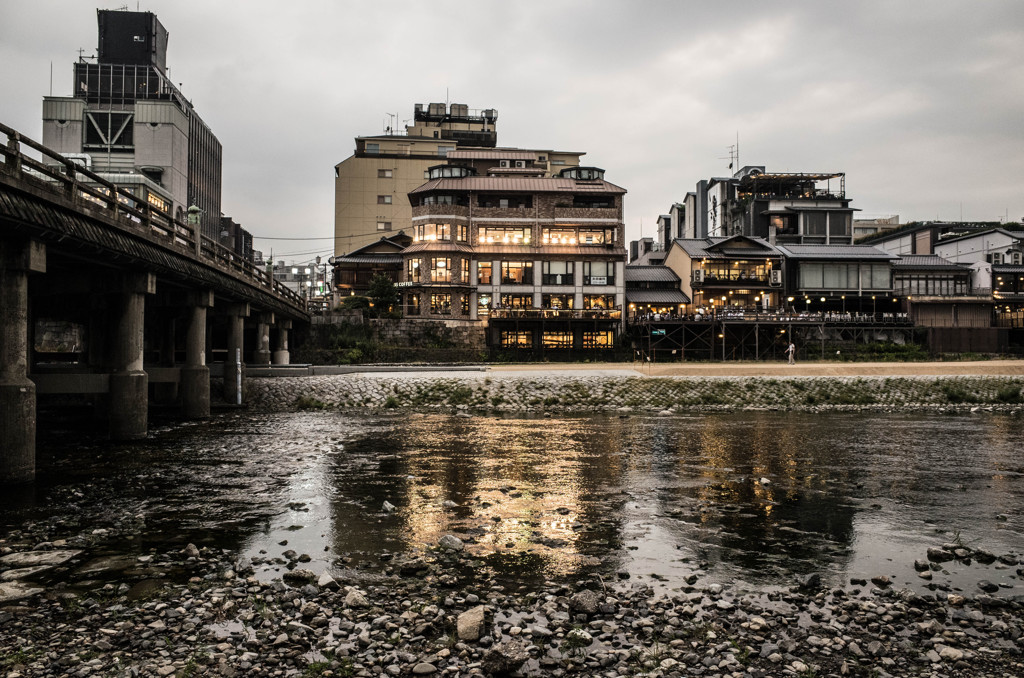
383 293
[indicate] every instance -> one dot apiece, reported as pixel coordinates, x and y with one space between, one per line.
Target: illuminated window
517 273
465 270
557 340
461 232
441 270
558 236
413 270
503 235
599 301
483 272
511 339
557 301
412 304
599 339
597 236
441 304
517 301
431 232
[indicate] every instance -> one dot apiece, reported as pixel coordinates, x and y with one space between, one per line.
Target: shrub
1009 394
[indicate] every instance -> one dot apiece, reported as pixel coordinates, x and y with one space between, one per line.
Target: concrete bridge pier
282 356
234 368
129 399
17 392
195 375
262 354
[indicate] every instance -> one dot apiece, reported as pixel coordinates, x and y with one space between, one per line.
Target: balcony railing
731 279
555 313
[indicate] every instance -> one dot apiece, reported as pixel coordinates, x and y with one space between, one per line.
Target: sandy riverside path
1002 368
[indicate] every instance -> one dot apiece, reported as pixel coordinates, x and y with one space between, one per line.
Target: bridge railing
82 186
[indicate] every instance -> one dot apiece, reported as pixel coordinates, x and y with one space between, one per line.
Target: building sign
657 333
598 280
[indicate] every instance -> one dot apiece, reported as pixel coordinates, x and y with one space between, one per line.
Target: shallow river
758 499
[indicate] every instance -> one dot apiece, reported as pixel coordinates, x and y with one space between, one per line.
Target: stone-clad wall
503 392
455 333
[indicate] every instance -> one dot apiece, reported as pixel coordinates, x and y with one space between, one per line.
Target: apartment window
557 273
465 270
372 149
383 225
441 304
443 150
875 276
839 224
558 236
465 304
597 236
462 232
517 273
558 302
441 269
598 272
503 235
412 304
431 232
385 174
520 301
445 200
593 201
599 339
995 258
412 270
596 302
511 339
483 272
383 199
505 201
814 223
556 339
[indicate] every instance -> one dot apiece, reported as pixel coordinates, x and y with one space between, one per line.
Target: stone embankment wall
455 333
568 394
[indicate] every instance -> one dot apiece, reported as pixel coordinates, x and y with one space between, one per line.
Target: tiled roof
395 259
442 246
650 274
706 248
835 252
925 261
656 297
519 185
1007 268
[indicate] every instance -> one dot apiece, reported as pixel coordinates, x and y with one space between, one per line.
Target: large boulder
470 624
506 657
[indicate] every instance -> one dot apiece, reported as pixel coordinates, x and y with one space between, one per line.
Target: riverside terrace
741 334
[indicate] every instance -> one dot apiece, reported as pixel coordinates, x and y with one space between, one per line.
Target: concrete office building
127 121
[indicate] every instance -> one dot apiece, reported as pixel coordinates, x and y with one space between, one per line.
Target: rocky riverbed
195 612
505 392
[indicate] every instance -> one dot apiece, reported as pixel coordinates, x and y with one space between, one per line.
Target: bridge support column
262 354
282 356
129 398
17 392
234 368
195 375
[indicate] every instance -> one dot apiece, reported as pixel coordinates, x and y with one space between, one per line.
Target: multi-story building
728 272
778 207
540 257
127 121
371 187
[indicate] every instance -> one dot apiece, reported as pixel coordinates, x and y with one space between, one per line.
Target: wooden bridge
104 294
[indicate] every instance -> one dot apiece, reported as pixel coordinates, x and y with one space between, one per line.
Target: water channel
757 499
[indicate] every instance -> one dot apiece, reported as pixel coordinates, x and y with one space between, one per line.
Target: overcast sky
920 103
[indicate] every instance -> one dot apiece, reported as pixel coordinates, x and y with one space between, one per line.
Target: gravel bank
195 612
512 392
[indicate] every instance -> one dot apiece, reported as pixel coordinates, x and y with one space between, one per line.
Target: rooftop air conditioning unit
698 275
776 277
520 163
504 163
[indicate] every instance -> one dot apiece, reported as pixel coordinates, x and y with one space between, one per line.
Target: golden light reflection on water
520 485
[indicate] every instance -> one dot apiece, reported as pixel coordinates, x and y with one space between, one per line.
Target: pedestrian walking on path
791 352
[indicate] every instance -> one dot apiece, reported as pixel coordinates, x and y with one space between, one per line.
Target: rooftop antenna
391 122
734 154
